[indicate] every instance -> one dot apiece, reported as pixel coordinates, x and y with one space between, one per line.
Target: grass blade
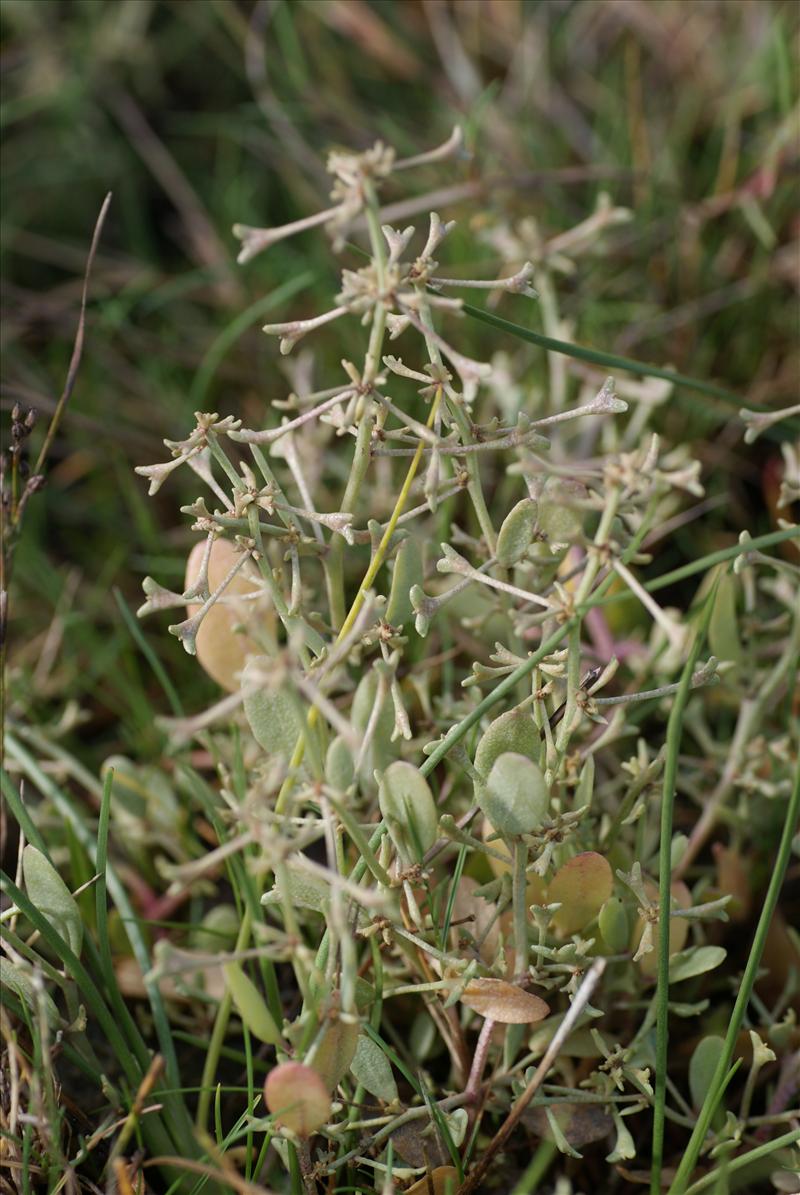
711 1101
236 329
752 1155
76 969
674 735
627 364
20 813
67 811
148 653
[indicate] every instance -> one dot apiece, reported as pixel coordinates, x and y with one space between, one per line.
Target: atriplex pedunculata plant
409 583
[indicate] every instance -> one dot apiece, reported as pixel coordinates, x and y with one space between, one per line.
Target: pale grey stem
181 730
292 458
514 282
474 574
466 366
423 432
703 676
671 629
441 843
513 440
187 631
296 591
187 873
294 329
246 436
446 150
328 711
201 465
256 240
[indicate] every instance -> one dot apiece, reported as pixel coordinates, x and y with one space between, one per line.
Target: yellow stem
360 598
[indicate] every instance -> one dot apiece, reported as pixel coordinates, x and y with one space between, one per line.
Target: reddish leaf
297 1097
581 886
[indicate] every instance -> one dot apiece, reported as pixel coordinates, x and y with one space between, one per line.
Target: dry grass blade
227 1177
77 351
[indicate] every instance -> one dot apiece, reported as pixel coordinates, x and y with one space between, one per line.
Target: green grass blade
148 653
614 362
746 1159
236 329
21 815
542 1160
67 811
105 961
705 563
78 972
711 1101
437 1116
674 735
451 896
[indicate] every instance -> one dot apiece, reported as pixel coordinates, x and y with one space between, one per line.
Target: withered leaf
504 1002
441 1181
581 1124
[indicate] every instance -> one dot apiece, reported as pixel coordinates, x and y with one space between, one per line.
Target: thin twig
77 350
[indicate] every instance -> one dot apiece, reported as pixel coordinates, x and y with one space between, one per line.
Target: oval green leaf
513 731
560 520
515 797
339 767
408 572
702 1066
614 925
273 714
723 629
516 532
371 1068
696 961
408 808
15 980
52 897
250 1005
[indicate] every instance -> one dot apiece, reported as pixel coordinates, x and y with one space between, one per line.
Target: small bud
158 598
158 474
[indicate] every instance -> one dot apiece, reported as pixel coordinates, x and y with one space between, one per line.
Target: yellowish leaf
441 1181
504 1002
